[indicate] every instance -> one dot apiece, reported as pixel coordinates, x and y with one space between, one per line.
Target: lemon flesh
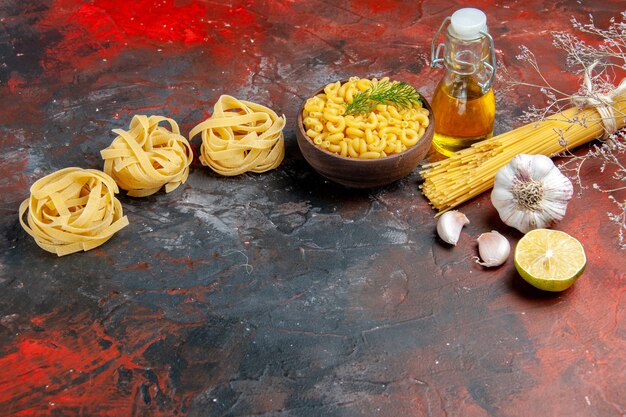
550 260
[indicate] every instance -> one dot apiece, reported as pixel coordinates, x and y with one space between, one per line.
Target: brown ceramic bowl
363 173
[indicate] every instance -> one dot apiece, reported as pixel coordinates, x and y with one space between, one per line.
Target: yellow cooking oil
463 114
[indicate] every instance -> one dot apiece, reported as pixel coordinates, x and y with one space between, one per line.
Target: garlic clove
559 191
494 249
538 166
506 174
525 221
449 226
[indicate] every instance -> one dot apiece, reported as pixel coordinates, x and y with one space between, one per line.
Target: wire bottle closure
437 59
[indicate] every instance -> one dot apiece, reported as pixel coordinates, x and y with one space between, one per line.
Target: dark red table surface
281 294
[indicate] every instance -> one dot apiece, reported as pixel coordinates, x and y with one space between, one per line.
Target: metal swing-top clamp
466 24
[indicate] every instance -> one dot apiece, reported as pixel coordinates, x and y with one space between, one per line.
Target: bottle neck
466 58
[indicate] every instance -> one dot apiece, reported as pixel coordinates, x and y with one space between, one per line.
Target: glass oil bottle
463 103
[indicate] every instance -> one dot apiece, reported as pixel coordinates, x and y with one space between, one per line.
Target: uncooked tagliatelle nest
147 157
71 210
241 136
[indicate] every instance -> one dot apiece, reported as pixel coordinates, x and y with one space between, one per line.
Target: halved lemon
550 260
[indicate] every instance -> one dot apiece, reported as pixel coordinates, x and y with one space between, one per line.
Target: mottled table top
281 294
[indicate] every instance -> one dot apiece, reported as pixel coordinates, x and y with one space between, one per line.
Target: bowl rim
300 122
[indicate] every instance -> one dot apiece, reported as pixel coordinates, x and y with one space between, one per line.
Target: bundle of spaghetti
469 172
241 136
71 210
148 156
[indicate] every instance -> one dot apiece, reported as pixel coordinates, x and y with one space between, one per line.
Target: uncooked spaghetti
468 173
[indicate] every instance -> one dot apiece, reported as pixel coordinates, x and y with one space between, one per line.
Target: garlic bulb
531 193
449 226
494 249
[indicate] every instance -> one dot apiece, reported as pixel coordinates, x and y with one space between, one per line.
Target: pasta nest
147 157
71 210
241 136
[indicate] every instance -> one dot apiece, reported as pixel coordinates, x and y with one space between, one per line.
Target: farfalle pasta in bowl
365 133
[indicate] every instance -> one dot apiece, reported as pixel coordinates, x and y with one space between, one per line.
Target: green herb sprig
399 94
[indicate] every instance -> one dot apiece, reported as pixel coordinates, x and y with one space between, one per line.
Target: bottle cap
467 23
